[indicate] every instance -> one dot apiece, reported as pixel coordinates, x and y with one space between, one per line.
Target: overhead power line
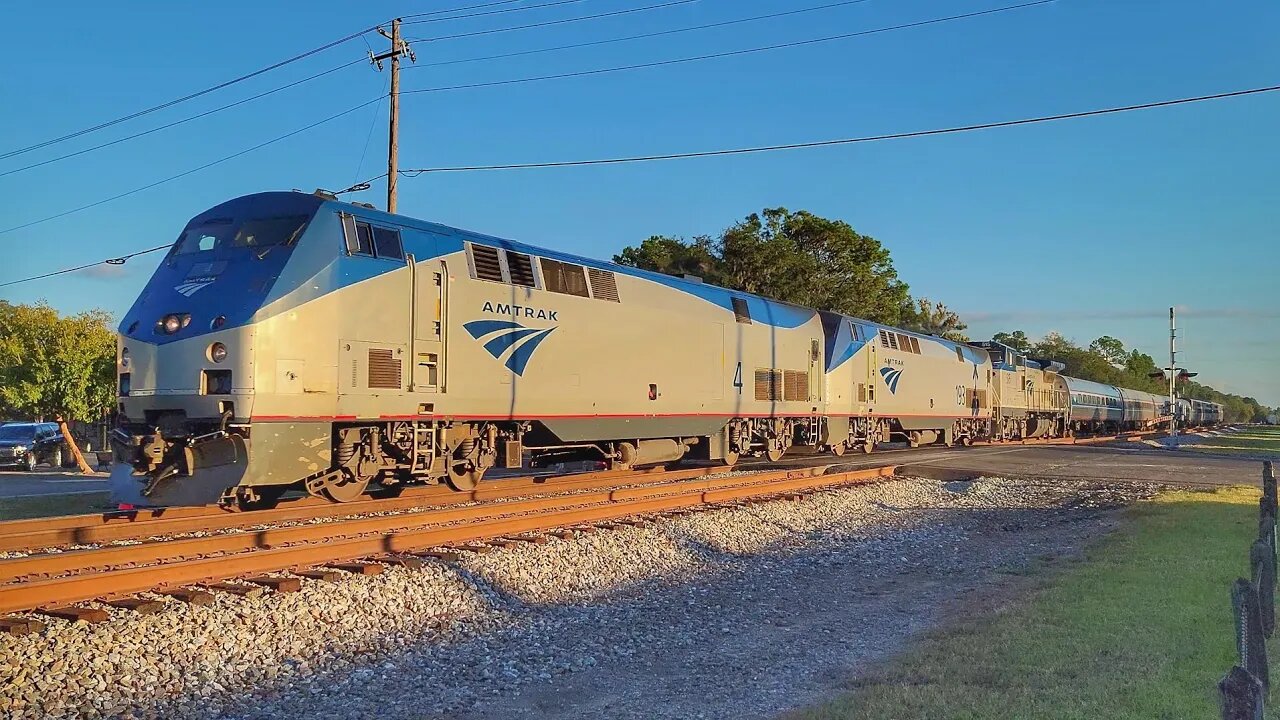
730 53
407 21
185 173
110 261
184 120
187 97
643 36
759 149
549 23
241 78
847 141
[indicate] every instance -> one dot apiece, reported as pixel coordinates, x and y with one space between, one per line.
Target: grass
1262 442
1140 628
50 505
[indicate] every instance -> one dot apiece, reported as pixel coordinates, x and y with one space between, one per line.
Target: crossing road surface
23 484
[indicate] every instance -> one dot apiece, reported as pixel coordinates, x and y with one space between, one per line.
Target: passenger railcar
1095 407
1142 410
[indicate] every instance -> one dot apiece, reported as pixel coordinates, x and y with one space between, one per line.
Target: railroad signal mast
1174 374
399 49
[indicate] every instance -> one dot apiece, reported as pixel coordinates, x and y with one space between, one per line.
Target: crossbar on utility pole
399 49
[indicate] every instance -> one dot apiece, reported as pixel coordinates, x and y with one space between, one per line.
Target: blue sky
1085 227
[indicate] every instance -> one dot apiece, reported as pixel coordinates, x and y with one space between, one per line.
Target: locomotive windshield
223 233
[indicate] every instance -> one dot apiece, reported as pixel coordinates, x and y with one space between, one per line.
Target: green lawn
1142 628
49 505
1261 442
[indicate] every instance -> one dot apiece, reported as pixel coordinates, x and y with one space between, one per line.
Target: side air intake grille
795 385
521 268
486 262
384 369
604 286
768 384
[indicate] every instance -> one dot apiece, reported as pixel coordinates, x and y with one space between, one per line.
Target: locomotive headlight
217 352
171 324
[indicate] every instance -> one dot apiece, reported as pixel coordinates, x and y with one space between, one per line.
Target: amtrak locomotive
289 340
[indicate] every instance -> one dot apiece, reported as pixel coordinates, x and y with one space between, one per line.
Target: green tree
795 257
1105 361
674 256
1017 340
934 318
1110 348
51 365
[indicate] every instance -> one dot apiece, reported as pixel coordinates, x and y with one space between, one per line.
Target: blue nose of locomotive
221 269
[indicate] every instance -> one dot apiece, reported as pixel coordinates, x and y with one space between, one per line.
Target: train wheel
868 446
730 458
913 440
463 476
775 454
967 441
344 486
839 448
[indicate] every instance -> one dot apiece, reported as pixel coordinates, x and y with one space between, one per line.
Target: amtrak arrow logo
891 376
509 338
189 288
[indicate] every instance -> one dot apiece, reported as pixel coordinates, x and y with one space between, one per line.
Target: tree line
801 258
54 365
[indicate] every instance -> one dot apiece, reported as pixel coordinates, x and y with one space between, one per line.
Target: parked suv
26 444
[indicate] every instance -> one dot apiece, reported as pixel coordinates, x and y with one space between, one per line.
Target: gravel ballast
738 612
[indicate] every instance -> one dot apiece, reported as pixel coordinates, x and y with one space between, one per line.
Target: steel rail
396 536
172 550
29 535
34 534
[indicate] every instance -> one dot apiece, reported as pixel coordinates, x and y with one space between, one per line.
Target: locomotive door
429 309
867 391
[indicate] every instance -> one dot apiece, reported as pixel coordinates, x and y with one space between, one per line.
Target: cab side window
370 240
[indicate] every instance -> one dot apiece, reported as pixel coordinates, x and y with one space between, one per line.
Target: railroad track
189 568
189 552
123 525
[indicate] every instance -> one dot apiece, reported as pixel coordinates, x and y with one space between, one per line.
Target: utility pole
399 49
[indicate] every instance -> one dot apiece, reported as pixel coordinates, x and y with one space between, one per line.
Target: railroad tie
279 584
322 574
410 562
359 568
20 625
142 606
191 596
441 555
75 613
241 589
478 549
